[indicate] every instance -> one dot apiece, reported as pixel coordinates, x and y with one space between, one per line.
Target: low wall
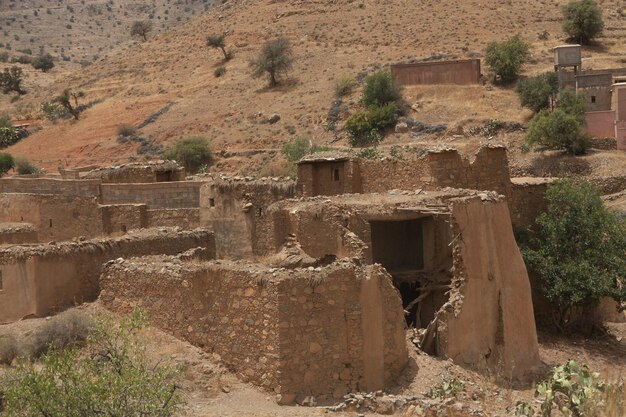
443 72
185 218
296 333
17 233
81 188
527 200
161 195
600 123
121 218
42 279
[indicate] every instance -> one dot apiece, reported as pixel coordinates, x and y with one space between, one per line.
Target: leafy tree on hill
380 89
535 93
219 42
582 20
192 152
507 58
43 62
274 60
11 80
141 28
579 253
65 100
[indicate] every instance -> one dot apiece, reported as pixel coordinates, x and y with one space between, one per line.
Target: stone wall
121 218
17 233
80 188
188 218
41 279
527 200
236 210
162 195
323 177
296 333
461 72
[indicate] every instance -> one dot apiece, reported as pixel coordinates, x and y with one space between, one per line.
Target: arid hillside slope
174 72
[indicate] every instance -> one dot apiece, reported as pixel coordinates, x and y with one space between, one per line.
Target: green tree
141 28
297 149
65 100
582 20
113 377
11 80
219 42
380 89
579 252
535 92
274 60
43 62
6 163
572 103
192 152
507 58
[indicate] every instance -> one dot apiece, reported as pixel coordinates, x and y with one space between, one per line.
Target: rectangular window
211 202
0 280
593 99
335 174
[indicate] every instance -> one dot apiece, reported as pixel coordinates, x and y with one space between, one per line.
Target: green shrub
8 136
344 86
111 377
507 58
296 149
578 251
368 153
52 110
364 127
24 167
535 92
219 42
582 20
8 351
448 388
11 80
66 330
382 117
381 89
6 162
572 103
219 71
43 62
126 130
274 60
192 153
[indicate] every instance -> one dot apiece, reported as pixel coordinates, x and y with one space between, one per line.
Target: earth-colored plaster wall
490 321
121 218
296 333
81 188
161 195
42 279
184 218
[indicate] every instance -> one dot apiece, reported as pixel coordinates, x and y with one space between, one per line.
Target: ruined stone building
304 288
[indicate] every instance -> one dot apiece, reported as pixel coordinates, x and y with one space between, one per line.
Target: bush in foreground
578 252
192 153
112 377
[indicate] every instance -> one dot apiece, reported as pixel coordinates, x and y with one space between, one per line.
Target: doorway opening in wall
164 176
401 246
593 99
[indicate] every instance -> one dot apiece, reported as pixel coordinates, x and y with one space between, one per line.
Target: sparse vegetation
8 344
507 58
448 388
344 86
111 377
578 251
8 136
380 89
24 167
274 61
126 130
11 80
582 20
65 100
364 127
536 92
219 42
141 28
43 62
562 128
192 153
219 71
296 149
6 163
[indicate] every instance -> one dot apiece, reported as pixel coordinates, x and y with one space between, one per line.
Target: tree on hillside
192 152
274 60
6 163
579 253
11 80
535 92
65 100
507 58
219 42
43 62
141 28
380 89
582 20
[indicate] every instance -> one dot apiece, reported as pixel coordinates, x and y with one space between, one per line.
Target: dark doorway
399 247
164 176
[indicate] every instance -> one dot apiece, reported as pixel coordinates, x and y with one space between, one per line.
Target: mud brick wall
123 217
81 188
460 72
329 177
527 201
185 218
293 332
42 279
237 211
162 195
54 217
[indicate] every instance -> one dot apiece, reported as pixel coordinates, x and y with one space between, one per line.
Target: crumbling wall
162 195
184 218
328 177
527 200
150 172
80 188
489 322
17 233
54 217
121 218
297 333
236 210
42 279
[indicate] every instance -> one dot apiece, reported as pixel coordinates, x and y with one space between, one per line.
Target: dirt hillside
171 76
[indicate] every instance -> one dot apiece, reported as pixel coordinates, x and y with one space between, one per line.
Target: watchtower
568 56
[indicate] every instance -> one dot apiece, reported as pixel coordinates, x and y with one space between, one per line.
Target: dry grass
68 329
8 349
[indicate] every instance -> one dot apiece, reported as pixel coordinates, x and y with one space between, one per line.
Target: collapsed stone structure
304 288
